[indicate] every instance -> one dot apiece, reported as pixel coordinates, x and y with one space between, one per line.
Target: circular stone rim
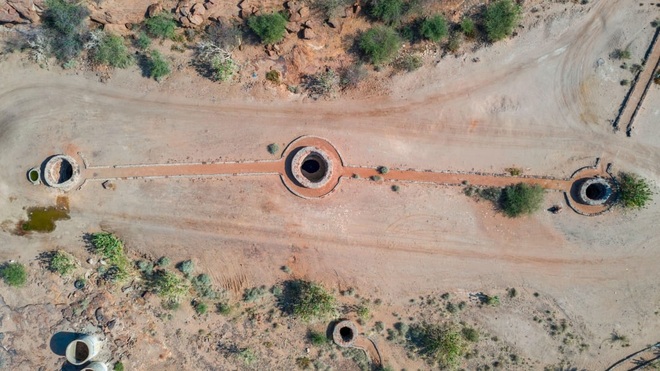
336 335
75 174
300 157
38 171
589 182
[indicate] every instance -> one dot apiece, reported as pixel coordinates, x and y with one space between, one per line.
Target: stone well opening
346 334
314 168
311 167
61 171
595 191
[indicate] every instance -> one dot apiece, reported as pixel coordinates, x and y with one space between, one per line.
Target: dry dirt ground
540 101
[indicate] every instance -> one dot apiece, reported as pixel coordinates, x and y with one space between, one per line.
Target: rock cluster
20 11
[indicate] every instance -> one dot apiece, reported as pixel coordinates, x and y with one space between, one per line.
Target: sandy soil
539 101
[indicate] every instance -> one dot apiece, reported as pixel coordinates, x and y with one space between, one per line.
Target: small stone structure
62 172
34 176
311 167
82 350
595 191
345 333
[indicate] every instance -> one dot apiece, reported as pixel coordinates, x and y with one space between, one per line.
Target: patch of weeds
303 363
468 28
273 148
247 356
383 169
273 76
514 171
438 343
409 63
201 308
513 292
634 191
161 25
359 357
470 334
118 367
363 312
286 269
142 41
14 274
624 82
223 308
322 84
146 267
317 338
112 249
492 300
163 262
307 300
379 326
168 285
445 296
253 294
61 263
451 308
376 178
396 188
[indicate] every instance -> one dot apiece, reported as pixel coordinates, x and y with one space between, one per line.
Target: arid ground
541 101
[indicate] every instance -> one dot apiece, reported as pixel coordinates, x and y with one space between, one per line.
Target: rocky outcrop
20 11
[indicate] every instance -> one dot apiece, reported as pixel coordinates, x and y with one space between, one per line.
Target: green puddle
42 219
34 175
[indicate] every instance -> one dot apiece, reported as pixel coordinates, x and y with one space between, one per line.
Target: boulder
292 27
198 9
102 18
118 29
196 19
335 22
10 15
154 9
25 8
309 34
304 11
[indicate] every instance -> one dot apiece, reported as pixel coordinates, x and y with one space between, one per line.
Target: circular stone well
311 167
595 191
345 333
61 171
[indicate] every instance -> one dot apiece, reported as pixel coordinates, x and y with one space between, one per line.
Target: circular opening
596 191
82 351
346 334
314 168
34 175
61 171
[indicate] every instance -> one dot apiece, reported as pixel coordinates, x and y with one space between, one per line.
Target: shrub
322 84
157 66
634 192
14 274
351 76
186 267
273 76
303 363
396 188
247 356
376 178
501 18
163 262
111 51
254 293
520 199
161 25
468 28
168 285
307 300
142 42
202 284
64 20
273 148
388 11
112 249
317 338
363 312
379 44
434 28
438 343
409 62
454 43
286 269
223 308
201 308
269 27
624 82
224 34
61 263
513 292
214 61
383 169
145 267
492 300
470 334
118 367
636 68
620 54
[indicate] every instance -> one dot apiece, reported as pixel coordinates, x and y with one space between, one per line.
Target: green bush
388 11
142 42
201 308
273 148
118 367
161 25
470 334
379 44
468 27
634 192
112 249
186 267
501 18
454 43
14 274
434 28
269 27
223 308
61 263
520 199
317 338
157 66
222 69
307 300
492 300
254 293
168 285
163 262
363 312
409 63
621 54
64 21
112 51
438 343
